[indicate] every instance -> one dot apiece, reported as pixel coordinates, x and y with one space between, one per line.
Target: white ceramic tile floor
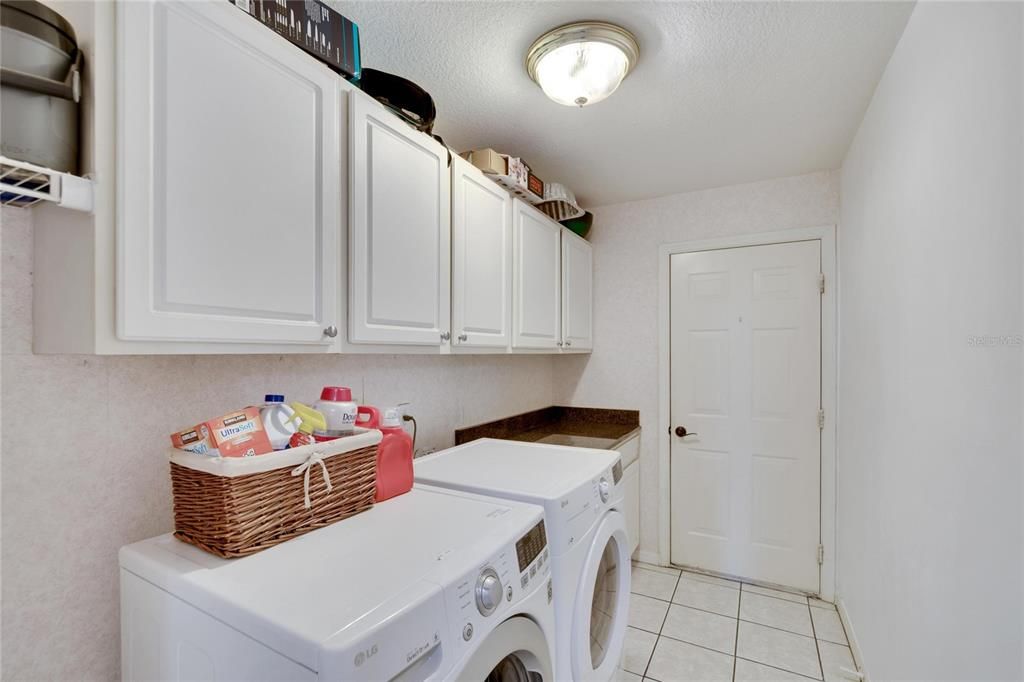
687 627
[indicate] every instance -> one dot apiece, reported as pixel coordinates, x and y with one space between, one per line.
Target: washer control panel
481 599
488 592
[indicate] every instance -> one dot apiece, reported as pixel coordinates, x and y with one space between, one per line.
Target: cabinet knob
568 343
445 336
331 332
463 337
559 344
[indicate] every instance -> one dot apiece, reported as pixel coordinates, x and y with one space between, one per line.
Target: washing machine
432 585
581 492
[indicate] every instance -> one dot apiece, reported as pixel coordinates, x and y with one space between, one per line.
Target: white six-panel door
745 383
481 259
399 231
229 207
536 279
577 292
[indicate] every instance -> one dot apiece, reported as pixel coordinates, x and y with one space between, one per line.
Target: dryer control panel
573 515
481 599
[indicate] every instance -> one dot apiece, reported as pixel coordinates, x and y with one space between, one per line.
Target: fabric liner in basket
235 506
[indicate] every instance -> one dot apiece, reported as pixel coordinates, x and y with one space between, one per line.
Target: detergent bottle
394 457
276 416
309 421
339 412
368 417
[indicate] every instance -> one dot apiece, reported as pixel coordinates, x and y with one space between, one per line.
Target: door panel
227 219
399 231
481 259
577 292
537 290
745 382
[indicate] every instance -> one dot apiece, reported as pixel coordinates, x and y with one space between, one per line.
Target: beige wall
623 370
83 456
930 442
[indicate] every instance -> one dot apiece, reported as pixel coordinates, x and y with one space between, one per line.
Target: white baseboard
648 557
851 634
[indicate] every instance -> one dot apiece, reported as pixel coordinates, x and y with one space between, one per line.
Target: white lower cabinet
481 260
399 231
577 292
630 452
228 200
536 279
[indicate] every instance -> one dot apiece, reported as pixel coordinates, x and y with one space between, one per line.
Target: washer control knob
604 488
467 632
488 592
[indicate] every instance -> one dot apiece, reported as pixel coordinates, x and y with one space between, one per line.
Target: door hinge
821 554
821 419
821 282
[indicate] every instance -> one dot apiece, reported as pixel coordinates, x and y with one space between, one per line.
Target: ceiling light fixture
582 63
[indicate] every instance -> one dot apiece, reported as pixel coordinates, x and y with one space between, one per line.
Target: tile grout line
722 615
817 646
663 620
775 667
736 639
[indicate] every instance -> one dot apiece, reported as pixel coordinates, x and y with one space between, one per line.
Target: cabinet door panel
482 262
536 279
399 231
577 292
228 200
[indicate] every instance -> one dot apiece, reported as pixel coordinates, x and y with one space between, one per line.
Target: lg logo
365 655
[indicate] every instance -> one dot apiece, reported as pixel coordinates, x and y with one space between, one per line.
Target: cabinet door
577 292
631 497
481 259
399 230
228 172
536 289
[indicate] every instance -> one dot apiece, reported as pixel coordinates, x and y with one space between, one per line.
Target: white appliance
581 492
431 585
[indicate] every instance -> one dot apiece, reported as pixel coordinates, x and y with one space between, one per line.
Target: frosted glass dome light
582 63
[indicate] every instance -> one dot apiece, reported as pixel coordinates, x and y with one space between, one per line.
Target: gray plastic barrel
40 79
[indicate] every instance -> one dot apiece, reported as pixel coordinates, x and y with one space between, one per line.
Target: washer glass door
515 651
512 668
602 603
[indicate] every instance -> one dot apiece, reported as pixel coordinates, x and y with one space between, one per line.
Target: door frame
829 322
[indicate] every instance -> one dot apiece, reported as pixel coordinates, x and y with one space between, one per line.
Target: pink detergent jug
394 457
367 417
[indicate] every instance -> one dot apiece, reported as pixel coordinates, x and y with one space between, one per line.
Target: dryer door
602 603
515 651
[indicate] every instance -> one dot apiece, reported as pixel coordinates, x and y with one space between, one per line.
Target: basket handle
303 470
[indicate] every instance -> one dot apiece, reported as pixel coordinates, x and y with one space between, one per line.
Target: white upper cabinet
399 231
577 292
228 180
536 282
481 259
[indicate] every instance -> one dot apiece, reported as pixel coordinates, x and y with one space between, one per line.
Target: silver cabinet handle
331 332
446 336
463 337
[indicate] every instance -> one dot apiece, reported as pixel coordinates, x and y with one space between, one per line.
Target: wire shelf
24 184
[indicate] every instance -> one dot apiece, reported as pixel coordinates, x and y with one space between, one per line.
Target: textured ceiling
723 93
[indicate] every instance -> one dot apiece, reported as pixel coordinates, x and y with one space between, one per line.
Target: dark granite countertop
579 426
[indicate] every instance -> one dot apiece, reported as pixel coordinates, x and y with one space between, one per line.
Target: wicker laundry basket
233 507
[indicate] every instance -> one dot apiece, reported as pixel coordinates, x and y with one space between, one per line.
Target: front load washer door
602 603
515 651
